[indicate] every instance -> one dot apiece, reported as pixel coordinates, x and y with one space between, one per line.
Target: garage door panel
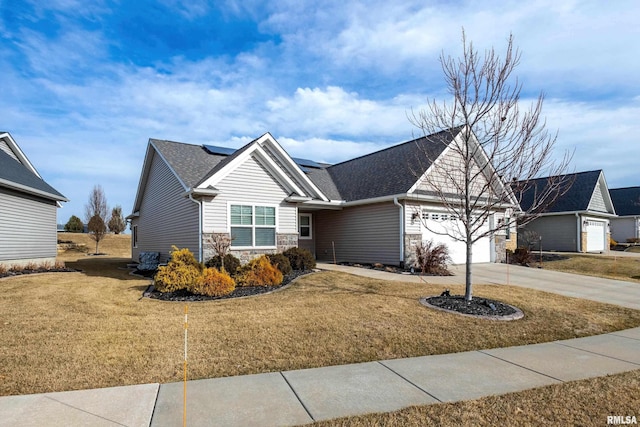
431 230
595 236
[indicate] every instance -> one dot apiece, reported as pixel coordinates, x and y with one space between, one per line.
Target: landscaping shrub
522 256
213 283
182 272
433 258
231 263
300 259
281 262
259 272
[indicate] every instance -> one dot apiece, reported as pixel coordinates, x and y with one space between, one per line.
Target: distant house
371 209
578 221
626 227
28 208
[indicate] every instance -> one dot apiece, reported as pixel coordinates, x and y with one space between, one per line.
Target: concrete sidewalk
303 396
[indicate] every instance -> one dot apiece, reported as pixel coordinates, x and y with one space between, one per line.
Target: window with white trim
252 226
304 227
507 229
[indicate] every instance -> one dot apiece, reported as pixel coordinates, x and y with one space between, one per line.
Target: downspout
578 233
401 208
200 207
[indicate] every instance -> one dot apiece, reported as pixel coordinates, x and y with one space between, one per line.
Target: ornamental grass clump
213 283
259 272
181 272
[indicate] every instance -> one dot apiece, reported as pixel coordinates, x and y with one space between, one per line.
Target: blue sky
86 84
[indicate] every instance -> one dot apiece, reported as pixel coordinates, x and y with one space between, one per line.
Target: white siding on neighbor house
167 217
252 184
624 228
5 147
558 232
27 227
365 234
597 202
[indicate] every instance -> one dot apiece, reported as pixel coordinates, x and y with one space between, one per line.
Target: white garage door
595 236
434 222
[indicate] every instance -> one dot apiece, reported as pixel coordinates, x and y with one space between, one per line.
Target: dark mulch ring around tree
477 307
240 291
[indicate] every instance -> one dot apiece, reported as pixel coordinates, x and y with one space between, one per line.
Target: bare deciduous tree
495 148
96 211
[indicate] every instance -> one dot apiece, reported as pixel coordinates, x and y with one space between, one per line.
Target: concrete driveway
626 294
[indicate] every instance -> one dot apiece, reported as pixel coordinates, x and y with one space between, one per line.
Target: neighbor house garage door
595 236
434 222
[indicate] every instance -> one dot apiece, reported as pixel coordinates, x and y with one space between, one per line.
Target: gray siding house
579 221
368 210
28 209
626 226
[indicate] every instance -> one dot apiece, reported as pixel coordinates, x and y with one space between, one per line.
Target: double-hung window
253 226
304 226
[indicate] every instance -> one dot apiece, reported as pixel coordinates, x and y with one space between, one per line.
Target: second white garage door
596 236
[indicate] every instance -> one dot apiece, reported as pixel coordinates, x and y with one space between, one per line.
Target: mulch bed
477 307
240 291
12 273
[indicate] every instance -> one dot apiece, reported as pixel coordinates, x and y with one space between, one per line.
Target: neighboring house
366 210
578 221
626 227
28 209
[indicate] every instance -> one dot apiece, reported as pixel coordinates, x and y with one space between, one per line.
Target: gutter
401 210
578 232
200 208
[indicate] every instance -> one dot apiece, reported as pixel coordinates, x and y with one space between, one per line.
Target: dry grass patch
577 403
66 331
612 267
113 245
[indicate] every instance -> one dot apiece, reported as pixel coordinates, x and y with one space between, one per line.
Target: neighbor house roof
626 200
391 171
577 197
17 176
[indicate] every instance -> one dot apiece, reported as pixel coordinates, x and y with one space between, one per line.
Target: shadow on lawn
114 268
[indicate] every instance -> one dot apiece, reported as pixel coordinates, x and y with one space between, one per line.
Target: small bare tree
494 149
96 214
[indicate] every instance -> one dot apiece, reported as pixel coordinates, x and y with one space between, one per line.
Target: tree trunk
467 280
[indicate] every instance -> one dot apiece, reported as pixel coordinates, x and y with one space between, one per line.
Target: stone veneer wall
501 248
283 242
583 241
512 243
410 243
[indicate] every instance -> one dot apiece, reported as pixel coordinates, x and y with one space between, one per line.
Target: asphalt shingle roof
13 171
393 170
626 201
386 172
190 162
576 198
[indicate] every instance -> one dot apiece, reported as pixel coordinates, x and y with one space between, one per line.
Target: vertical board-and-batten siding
167 217
27 227
251 184
5 147
365 234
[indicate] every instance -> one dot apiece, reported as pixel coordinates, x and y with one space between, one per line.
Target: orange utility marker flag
186 325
